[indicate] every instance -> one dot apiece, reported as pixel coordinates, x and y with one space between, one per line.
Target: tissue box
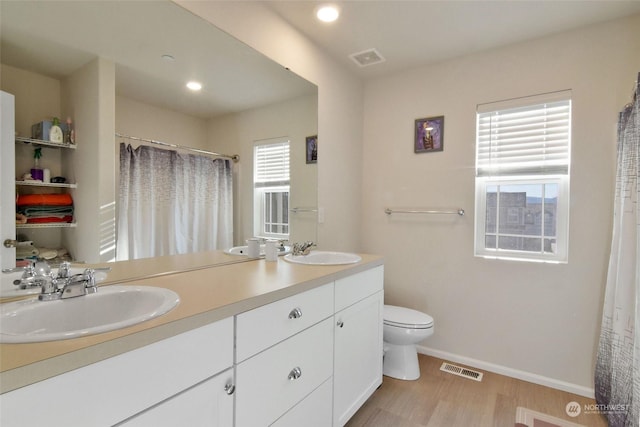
41 130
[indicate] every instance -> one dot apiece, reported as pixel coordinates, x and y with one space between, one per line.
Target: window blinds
272 164
531 139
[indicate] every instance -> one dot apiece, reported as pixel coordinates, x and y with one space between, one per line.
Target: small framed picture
312 149
429 134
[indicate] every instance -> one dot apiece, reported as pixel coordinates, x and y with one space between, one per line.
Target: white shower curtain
617 376
172 203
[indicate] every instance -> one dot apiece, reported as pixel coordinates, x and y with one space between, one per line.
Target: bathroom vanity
251 344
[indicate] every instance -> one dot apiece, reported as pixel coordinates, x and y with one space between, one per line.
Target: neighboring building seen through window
522 178
271 185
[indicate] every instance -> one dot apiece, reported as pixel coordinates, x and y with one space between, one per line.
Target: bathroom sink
324 258
110 308
242 250
8 289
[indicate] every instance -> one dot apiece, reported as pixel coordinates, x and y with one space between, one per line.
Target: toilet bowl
403 328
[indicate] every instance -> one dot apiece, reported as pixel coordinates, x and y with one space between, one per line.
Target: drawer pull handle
295 373
229 388
296 313
340 323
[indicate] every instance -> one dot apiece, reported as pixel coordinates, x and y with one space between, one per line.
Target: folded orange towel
45 199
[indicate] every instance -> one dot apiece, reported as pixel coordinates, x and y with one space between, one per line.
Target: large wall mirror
155 48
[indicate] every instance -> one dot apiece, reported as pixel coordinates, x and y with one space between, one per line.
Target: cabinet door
7 177
358 356
209 404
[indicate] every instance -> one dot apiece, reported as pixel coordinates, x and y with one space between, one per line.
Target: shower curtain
617 375
172 203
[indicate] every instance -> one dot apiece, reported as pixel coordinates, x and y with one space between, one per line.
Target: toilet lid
406 317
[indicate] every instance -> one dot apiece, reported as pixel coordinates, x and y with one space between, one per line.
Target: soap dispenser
55 133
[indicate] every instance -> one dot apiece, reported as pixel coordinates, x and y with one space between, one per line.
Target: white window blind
532 139
272 164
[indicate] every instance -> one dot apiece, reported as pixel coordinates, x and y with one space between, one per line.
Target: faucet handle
29 270
64 270
90 277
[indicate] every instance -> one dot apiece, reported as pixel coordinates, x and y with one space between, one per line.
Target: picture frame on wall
429 134
312 149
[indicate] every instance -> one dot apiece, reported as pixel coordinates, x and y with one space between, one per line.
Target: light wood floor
440 399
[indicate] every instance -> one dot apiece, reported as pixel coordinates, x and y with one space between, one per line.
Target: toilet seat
402 317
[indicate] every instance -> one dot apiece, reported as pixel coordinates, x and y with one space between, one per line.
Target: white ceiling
419 32
135 35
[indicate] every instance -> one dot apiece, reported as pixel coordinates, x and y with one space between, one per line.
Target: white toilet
403 329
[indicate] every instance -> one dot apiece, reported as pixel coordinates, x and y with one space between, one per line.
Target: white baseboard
510 372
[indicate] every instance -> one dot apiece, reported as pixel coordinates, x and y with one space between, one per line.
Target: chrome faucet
280 245
302 248
54 288
59 286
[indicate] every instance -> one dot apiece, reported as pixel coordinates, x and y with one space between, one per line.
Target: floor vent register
462 372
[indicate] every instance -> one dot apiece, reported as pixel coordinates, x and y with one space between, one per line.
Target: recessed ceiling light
327 13
194 86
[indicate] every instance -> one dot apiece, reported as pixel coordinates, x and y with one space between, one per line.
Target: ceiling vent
367 57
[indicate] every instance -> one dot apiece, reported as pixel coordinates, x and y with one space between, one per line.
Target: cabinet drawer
265 384
359 286
313 411
259 329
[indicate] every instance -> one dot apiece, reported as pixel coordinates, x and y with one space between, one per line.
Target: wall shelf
45 184
48 225
39 142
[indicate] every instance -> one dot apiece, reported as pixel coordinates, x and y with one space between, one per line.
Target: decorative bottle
55 133
69 136
37 173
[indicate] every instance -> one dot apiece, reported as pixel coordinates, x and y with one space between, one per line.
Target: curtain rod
234 157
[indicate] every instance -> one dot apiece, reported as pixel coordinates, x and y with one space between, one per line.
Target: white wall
339 109
526 318
142 120
89 97
236 134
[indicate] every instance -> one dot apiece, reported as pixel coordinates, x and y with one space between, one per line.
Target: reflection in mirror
122 67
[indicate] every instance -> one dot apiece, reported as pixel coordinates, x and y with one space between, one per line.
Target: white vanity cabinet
110 391
358 342
331 334
311 359
285 352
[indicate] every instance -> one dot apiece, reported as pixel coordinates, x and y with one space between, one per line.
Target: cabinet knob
340 323
229 388
295 373
296 313
9 243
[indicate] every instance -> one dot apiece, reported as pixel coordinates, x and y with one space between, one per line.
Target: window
271 189
522 178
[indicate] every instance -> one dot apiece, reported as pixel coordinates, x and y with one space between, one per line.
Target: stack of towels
45 208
